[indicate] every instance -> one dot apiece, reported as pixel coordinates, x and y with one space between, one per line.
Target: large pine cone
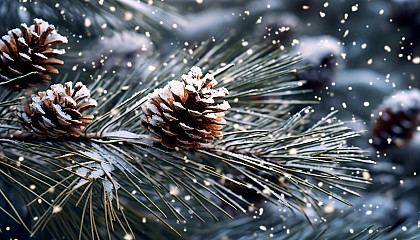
29 51
397 120
58 111
182 115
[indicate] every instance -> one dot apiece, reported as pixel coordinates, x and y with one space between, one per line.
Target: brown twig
19 135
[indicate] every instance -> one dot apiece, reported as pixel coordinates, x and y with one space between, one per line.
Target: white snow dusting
402 101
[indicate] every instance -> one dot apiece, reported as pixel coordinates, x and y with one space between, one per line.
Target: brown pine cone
182 115
397 120
27 51
58 111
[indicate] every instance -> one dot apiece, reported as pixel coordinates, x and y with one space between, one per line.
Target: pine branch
270 147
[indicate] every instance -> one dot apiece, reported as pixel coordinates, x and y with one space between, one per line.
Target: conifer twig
19 135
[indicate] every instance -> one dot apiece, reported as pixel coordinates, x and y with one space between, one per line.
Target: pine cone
29 50
58 111
182 115
397 120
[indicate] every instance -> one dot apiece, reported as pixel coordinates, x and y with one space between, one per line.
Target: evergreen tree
122 120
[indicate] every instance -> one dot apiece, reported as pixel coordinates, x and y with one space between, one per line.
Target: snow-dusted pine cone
58 111
27 54
396 120
182 115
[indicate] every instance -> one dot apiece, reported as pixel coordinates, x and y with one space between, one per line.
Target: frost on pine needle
182 115
120 134
98 171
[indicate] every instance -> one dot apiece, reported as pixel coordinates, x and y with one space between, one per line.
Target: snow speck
416 60
128 16
346 33
88 22
128 237
57 209
329 208
293 151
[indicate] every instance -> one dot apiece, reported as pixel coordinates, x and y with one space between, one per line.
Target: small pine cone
397 120
182 115
58 111
29 50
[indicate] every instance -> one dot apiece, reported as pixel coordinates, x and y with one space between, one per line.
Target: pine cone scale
41 56
51 61
178 107
170 117
14 71
51 69
45 34
24 57
54 52
6 57
26 34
